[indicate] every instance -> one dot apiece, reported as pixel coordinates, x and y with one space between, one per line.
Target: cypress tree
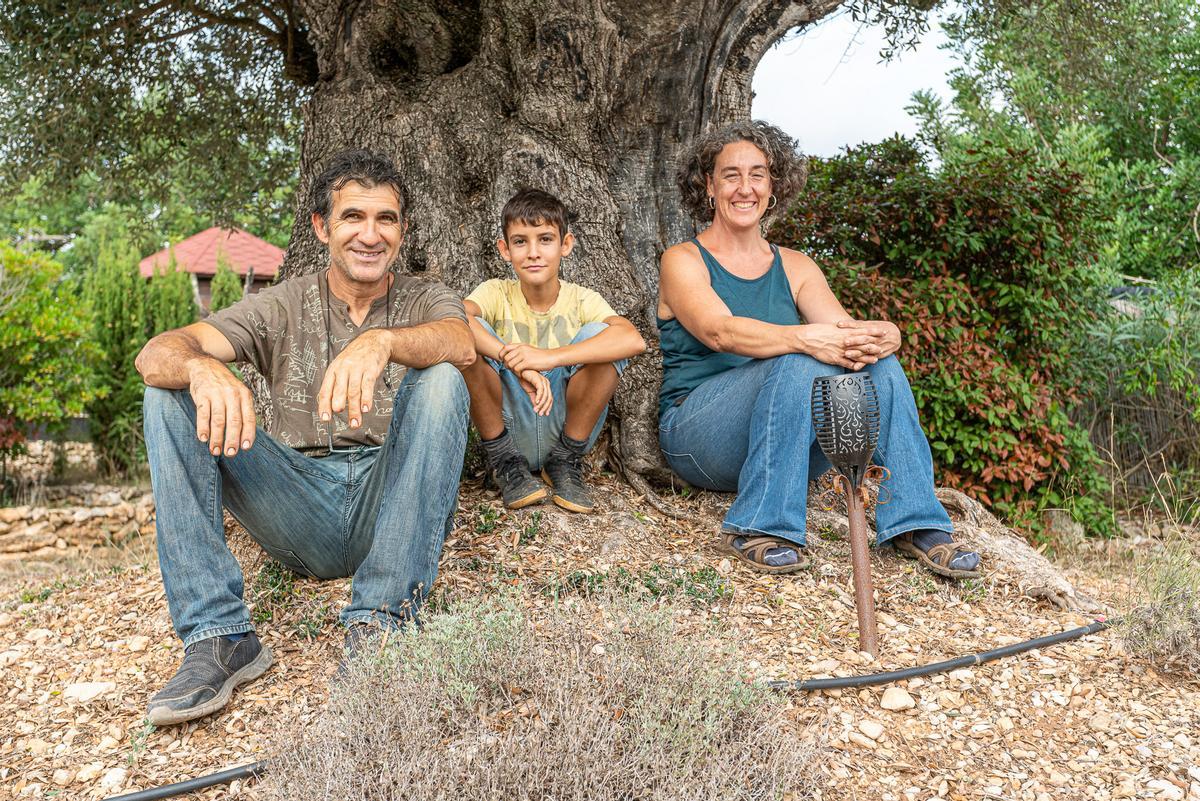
170 299
226 285
117 296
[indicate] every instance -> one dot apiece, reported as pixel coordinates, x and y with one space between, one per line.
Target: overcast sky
827 87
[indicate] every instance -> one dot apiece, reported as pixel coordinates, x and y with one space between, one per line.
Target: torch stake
860 564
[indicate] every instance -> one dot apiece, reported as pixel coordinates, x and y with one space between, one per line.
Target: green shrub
577 700
47 360
117 295
226 286
986 265
170 299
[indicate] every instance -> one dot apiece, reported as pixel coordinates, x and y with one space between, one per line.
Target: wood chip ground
85 640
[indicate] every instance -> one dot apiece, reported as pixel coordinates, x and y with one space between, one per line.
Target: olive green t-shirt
291 331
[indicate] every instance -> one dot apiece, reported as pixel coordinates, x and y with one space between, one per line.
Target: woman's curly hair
789 169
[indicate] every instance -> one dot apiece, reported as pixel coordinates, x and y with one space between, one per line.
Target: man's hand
537 387
868 341
224 407
520 357
349 384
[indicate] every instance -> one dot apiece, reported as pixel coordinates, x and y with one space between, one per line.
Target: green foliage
702 587
1157 347
47 362
199 96
226 286
1111 86
170 300
986 268
117 295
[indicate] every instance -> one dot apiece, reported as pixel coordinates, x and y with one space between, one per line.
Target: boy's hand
537 386
519 357
349 383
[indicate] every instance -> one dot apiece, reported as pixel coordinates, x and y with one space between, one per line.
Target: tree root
642 486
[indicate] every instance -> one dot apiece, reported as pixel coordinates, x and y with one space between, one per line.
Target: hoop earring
712 203
772 202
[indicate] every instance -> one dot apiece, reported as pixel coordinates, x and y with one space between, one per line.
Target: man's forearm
428 344
167 360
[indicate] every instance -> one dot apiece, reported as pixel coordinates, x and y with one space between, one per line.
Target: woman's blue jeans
750 430
379 514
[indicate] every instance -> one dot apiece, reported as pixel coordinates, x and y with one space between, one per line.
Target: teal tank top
688 362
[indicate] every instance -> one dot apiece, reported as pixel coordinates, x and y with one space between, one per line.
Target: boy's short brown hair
535 207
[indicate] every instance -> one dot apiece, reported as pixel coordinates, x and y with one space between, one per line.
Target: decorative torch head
845 410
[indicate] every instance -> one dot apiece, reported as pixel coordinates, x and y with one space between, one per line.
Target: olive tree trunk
589 99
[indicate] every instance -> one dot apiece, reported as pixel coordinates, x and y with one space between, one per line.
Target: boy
553 355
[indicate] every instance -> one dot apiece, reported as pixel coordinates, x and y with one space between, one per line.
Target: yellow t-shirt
506 311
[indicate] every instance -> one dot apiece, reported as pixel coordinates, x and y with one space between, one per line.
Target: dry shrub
1163 625
586 699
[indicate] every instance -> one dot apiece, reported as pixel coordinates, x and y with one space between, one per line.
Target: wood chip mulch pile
80 654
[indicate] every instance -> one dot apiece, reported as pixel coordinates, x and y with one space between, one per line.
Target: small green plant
139 739
919 582
972 590
703 587
273 586
309 626
530 531
486 518
29 596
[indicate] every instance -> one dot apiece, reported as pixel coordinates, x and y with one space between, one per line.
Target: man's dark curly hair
789 169
360 166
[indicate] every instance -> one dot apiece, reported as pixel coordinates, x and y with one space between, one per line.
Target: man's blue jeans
533 434
750 429
379 514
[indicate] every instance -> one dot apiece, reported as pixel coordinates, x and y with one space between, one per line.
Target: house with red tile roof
245 253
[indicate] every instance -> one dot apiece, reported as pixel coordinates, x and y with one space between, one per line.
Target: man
358 473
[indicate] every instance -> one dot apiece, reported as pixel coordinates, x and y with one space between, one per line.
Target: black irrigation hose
889 676
192 785
807 685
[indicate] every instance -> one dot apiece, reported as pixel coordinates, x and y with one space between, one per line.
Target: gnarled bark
589 99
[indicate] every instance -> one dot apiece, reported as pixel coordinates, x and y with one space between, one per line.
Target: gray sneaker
518 487
563 471
210 671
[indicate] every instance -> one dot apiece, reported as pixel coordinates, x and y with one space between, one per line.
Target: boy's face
534 251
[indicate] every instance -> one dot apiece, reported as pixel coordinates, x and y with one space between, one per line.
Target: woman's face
740 184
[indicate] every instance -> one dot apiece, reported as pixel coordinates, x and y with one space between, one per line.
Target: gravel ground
80 653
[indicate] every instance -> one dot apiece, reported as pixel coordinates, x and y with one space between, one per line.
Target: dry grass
598 698
1163 624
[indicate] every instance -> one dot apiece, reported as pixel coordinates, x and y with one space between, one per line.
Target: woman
746 326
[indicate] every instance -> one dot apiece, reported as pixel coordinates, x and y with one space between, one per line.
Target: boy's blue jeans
380 514
750 429
534 434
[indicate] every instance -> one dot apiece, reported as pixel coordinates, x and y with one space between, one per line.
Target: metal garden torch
845 411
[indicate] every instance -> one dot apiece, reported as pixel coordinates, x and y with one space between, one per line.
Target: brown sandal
754 551
937 558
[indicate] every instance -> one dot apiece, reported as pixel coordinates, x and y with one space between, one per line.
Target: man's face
535 251
363 232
